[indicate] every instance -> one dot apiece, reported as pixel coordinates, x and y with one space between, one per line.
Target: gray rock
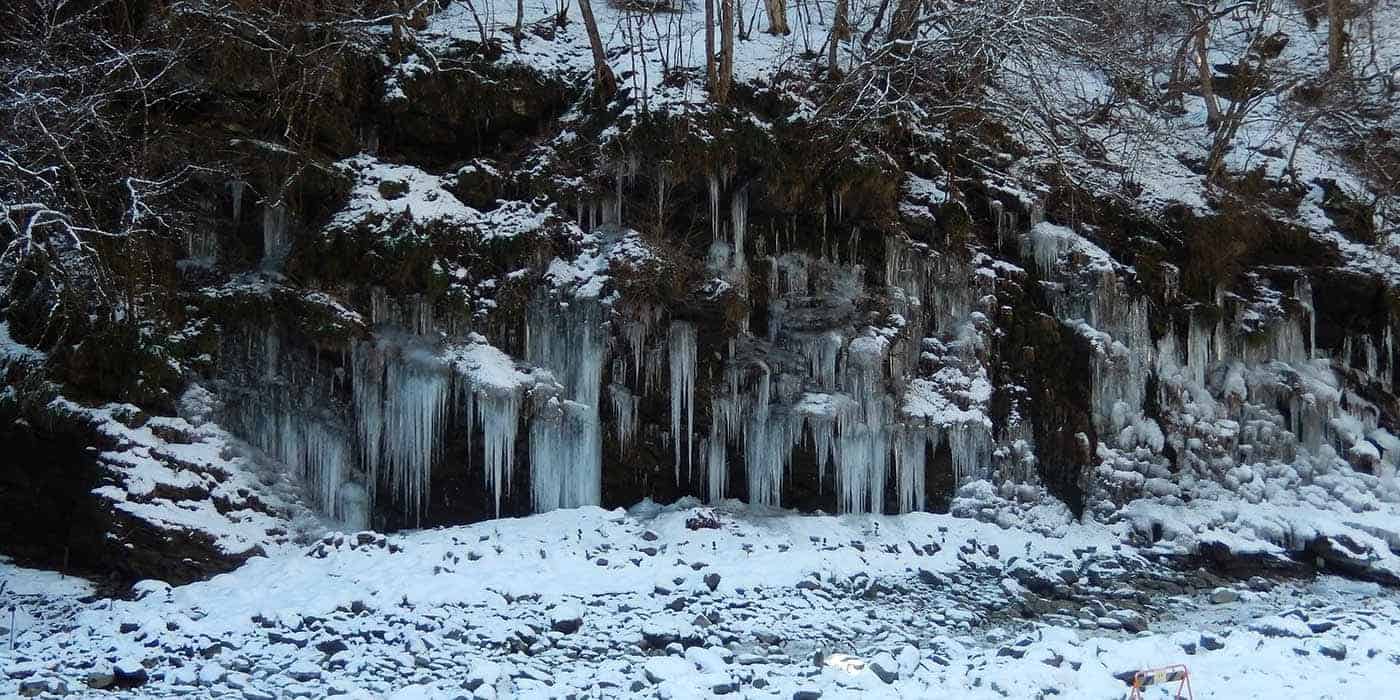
1210 642
251 693
807 694
1132 621
129 673
712 581
567 621
1333 650
1221 596
884 667
100 680
30 687
303 671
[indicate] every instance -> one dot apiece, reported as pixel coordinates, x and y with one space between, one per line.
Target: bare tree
604 83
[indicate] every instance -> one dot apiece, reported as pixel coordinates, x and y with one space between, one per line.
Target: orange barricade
1167 674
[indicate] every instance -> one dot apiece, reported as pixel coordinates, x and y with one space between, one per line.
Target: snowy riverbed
696 602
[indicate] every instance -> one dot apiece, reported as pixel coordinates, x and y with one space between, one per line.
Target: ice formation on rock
682 354
407 412
566 434
276 239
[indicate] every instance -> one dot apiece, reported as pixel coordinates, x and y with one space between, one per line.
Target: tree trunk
906 13
777 17
1206 73
726 51
605 85
840 30
519 22
1336 35
711 73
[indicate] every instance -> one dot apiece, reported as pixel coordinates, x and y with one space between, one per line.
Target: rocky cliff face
472 294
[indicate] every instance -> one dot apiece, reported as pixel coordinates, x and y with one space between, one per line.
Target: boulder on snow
1221 596
884 667
566 619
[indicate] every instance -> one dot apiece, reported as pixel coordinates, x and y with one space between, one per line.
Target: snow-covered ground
685 601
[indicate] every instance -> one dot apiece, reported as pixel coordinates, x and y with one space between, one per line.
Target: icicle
739 218
624 408
763 467
683 358
723 422
969 445
997 210
1388 346
275 239
1036 215
1368 353
401 409
498 414
1198 346
367 389
713 180
566 449
235 190
564 453
822 352
910 461
415 414
1302 288
823 429
354 506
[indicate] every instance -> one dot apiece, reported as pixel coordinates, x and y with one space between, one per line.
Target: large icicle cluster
401 394
273 417
568 339
819 378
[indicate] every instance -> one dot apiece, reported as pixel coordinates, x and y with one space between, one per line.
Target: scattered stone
712 581
567 619
1221 596
884 667
100 680
1277 626
807 694
1131 620
1333 650
129 673
908 660
304 671
660 669
1210 642
30 687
